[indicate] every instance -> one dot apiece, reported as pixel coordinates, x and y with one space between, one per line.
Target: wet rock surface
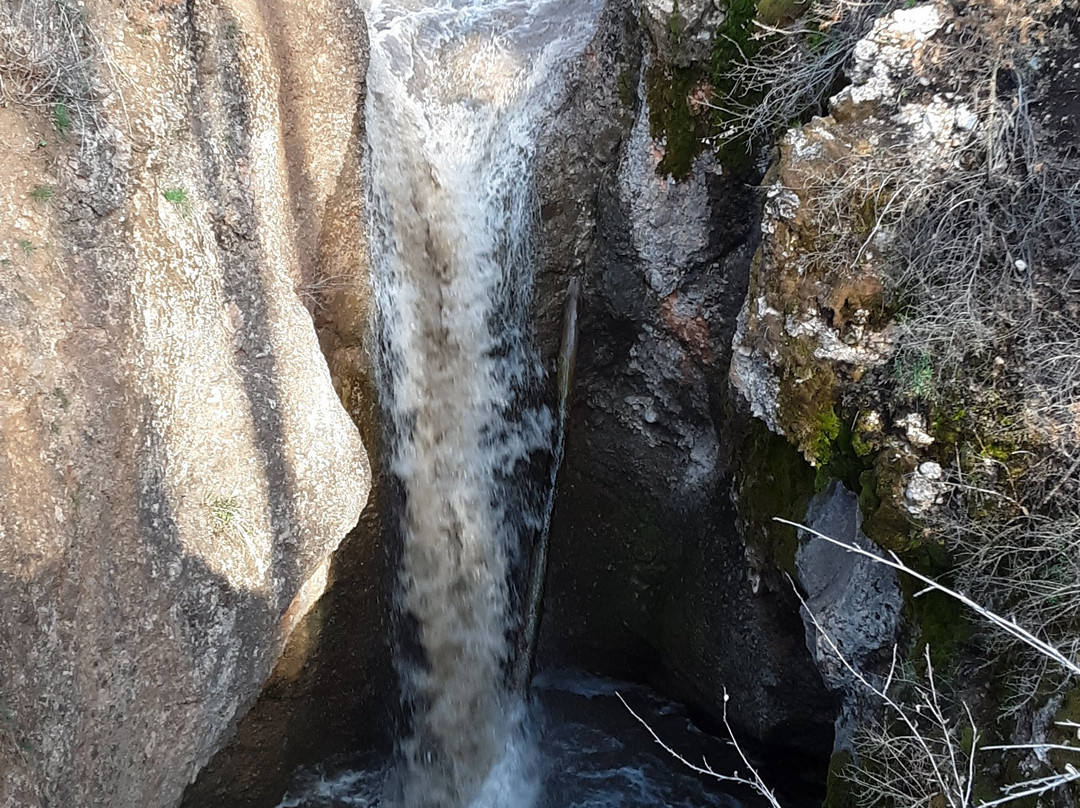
648 571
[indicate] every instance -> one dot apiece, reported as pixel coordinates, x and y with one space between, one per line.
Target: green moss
1001 451
860 446
947 426
671 119
843 460
943 624
827 430
177 196
773 480
807 399
733 43
676 25
776 12
869 500
838 786
887 527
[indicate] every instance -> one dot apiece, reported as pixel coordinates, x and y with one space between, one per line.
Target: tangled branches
970 215
44 59
784 72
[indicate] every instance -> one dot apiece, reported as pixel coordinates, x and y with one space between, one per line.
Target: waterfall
456 94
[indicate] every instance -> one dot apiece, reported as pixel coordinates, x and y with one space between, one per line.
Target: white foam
456 94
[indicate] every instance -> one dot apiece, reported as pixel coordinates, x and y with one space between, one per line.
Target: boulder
176 467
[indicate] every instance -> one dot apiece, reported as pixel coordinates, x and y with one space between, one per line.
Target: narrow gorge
436 404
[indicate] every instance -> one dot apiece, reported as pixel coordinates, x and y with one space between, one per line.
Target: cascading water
456 93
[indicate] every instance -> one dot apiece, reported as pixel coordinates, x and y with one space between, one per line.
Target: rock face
175 465
683 31
811 327
852 604
648 572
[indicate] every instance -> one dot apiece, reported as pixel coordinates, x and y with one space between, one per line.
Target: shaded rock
648 574
852 606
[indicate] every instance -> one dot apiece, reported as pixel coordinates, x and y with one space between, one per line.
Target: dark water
585 751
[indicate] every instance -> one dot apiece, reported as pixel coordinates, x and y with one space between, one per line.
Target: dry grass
925 750
45 59
978 241
792 69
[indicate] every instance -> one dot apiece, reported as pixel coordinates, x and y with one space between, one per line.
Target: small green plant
914 375
62 118
61 396
42 193
232 30
226 510
178 196
179 199
27 246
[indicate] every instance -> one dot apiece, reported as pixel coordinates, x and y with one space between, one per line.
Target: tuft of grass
230 514
42 193
26 246
226 510
62 118
179 199
913 372
178 196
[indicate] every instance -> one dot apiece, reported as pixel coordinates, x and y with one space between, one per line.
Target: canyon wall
176 467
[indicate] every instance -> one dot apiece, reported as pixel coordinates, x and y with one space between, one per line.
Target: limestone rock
812 326
924 489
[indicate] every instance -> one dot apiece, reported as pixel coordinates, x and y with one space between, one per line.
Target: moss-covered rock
773 480
839 792
676 119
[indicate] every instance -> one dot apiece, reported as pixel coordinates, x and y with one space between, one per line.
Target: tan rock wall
174 460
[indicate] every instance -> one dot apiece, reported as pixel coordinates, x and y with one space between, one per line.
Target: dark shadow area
649 576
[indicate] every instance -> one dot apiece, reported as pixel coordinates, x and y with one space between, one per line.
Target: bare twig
1006 625
754 781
